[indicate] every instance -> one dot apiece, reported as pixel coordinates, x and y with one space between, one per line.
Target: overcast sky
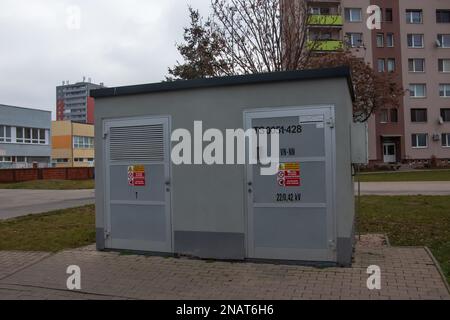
115 42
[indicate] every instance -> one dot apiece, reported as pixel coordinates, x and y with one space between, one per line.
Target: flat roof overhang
261 78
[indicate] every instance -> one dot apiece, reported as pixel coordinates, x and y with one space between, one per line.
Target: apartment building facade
413 45
24 137
72 144
73 102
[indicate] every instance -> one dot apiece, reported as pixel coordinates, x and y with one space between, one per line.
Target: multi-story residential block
425 32
413 45
24 137
73 102
72 144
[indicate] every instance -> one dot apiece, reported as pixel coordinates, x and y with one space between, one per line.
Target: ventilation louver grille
140 143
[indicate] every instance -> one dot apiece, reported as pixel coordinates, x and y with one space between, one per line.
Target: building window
61 160
416 65
324 11
380 40
394 115
420 140
5 133
414 16
419 115
390 40
391 65
19 135
444 40
83 142
354 40
444 65
388 17
418 90
42 137
21 159
381 65
353 15
27 133
446 140
415 41
384 116
31 135
5 159
443 16
445 115
444 90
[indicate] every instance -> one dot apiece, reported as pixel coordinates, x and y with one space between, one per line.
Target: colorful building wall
72 144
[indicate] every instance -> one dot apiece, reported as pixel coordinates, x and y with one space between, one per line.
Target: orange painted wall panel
62 142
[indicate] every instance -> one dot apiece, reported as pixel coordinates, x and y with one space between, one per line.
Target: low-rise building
24 137
72 144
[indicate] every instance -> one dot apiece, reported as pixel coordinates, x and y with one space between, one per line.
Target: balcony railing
325 45
325 20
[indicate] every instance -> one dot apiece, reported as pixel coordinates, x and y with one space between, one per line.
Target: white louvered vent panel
140 143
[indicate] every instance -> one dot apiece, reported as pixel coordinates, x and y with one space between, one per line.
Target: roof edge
24 108
300 75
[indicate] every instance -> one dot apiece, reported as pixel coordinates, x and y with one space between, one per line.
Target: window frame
349 17
413 60
390 44
414 116
386 15
350 39
440 38
5 133
447 140
391 61
383 61
392 112
384 116
412 37
439 13
415 86
409 16
443 113
446 90
380 36
416 140
441 63
83 142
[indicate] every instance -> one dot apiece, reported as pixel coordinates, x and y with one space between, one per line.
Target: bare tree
256 36
263 35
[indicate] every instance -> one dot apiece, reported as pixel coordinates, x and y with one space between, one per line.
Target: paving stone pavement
407 273
14 261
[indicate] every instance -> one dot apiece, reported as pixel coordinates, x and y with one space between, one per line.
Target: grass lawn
51 232
433 175
51 185
410 221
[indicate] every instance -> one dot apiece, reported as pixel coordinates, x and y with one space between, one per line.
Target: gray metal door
138 214
290 216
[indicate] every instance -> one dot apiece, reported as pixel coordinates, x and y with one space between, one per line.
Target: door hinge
331 123
107 234
105 134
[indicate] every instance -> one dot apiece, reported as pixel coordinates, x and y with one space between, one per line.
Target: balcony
325 20
325 45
